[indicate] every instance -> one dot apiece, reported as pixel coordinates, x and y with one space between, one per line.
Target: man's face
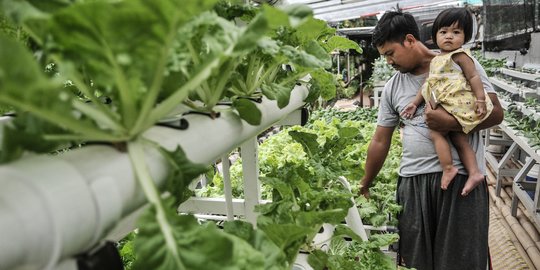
399 55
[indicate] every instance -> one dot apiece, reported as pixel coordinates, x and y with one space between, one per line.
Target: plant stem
293 78
180 94
99 116
136 155
251 78
127 99
270 71
157 81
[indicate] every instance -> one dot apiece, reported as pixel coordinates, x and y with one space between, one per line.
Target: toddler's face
450 38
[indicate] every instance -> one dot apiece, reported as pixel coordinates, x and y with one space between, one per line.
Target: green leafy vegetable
192 246
354 254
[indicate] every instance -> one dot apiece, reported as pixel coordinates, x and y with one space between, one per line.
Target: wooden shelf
531 204
521 107
520 75
528 112
518 143
504 104
528 93
522 141
519 146
504 85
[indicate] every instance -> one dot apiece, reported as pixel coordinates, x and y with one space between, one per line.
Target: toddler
454 84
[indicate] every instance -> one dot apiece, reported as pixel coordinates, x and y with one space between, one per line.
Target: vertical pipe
349 73
353 218
225 165
537 192
338 66
252 187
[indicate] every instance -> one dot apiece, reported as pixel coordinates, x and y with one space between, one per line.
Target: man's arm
440 120
376 155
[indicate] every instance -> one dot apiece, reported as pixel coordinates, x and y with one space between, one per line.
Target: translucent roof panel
339 10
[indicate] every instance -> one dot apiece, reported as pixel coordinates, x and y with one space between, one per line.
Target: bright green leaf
182 172
341 44
248 111
307 140
277 92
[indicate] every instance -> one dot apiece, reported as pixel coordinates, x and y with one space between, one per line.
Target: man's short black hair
394 26
447 17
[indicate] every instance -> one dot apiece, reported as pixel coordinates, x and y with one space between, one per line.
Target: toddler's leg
445 158
468 157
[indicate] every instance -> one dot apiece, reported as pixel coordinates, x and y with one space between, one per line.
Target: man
345 75
439 229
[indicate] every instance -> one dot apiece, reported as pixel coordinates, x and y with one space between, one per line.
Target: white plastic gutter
54 207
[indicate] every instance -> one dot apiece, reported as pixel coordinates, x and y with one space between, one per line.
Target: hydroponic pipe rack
54 207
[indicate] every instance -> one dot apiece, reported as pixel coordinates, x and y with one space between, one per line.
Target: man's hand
377 151
364 191
440 120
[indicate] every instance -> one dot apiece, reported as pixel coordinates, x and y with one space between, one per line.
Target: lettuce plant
347 251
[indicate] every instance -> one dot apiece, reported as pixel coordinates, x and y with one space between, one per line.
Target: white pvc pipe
53 207
353 216
250 171
227 185
4 120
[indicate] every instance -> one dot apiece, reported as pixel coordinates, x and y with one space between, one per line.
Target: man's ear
410 39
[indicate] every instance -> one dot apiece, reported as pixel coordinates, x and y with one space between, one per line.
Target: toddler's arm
410 109
469 70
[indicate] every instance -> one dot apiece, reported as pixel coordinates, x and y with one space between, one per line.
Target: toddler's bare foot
447 176
473 181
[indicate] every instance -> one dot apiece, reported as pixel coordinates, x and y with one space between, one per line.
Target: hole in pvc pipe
105 256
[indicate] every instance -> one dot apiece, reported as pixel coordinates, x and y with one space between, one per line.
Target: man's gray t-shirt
419 156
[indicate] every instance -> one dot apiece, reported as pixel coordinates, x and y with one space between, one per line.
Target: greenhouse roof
339 10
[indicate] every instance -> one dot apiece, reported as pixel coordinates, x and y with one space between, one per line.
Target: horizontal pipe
53 207
217 206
